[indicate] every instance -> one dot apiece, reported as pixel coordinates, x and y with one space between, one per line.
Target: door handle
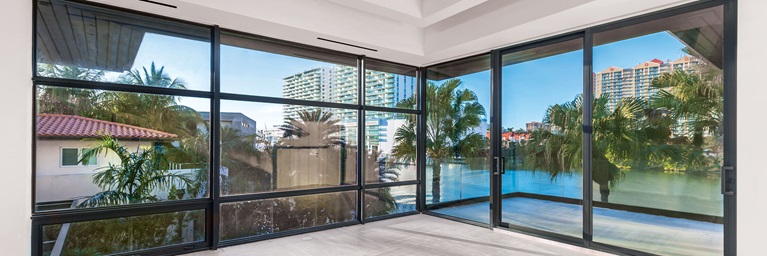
499 166
728 180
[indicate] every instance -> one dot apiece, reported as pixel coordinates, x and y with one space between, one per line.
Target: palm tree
630 135
67 101
135 179
695 100
452 114
312 128
158 112
152 77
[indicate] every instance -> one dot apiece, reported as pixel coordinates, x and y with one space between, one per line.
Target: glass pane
116 132
91 160
81 42
273 147
269 216
657 147
457 145
391 200
391 142
255 67
542 137
390 85
124 235
69 156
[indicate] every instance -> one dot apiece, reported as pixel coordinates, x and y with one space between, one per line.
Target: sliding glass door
616 137
658 135
541 137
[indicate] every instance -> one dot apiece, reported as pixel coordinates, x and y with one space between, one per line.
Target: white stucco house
61 139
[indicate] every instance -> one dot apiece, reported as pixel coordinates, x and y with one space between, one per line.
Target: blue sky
528 88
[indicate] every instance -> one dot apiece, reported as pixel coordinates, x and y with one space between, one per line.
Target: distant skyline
536 84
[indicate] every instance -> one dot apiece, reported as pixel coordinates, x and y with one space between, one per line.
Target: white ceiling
416 32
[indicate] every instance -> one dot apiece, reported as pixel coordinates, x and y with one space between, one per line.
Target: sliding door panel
657 135
457 139
541 138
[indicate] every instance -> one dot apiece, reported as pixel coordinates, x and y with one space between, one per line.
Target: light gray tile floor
639 231
411 235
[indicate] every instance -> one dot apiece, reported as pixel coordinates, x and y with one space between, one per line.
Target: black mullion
421 141
82 84
361 151
34 110
730 122
37 241
391 110
282 194
91 214
276 100
496 150
392 184
213 217
588 102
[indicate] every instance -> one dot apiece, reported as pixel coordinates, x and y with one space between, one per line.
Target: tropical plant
63 100
628 136
452 115
312 128
137 178
70 72
248 168
152 77
694 101
158 112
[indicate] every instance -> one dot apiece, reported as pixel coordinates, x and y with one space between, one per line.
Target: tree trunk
436 172
604 192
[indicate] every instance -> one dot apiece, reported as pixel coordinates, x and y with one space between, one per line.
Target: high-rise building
618 82
339 84
315 84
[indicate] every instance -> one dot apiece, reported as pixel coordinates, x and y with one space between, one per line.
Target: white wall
752 143
16 131
56 182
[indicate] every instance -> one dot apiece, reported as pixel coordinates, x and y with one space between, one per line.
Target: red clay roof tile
55 125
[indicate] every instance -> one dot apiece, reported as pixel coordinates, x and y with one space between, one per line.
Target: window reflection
103 148
286 148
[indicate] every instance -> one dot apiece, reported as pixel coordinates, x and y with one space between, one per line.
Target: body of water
669 191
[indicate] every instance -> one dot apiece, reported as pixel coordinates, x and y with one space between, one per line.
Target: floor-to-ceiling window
119 103
457 138
657 135
157 136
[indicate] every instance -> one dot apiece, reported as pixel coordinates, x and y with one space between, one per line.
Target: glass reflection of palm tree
312 128
452 115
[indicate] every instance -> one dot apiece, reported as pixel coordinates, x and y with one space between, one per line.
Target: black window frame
211 204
